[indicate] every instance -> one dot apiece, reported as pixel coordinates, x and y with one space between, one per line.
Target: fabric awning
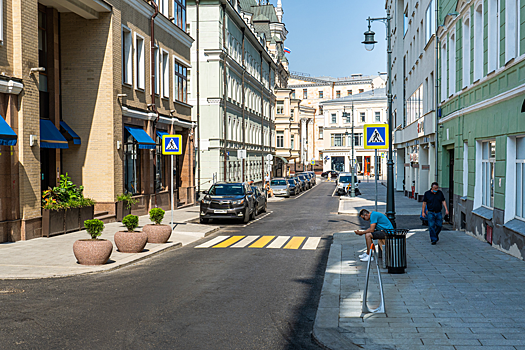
50 137
7 135
161 133
142 137
73 135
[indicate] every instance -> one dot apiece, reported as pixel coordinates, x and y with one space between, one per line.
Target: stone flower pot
130 242
157 233
92 251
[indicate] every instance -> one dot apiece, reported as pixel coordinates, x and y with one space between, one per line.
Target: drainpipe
225 92
153 106
436 89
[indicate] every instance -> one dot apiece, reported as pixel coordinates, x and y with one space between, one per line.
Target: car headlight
205 201
239 202
339 185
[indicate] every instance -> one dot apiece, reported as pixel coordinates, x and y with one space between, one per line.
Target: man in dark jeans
434 201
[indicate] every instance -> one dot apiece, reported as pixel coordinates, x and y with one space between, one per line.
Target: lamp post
352 190
369 46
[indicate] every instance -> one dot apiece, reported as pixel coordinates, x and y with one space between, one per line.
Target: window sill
464 198
484 212
140 89
516 225
128 85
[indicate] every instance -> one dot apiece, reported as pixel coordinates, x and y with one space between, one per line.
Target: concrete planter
121 210
130 242
157 233
92 251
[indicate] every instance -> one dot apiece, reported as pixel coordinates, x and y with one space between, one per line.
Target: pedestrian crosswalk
263 242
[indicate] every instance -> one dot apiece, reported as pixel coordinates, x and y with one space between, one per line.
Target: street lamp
345 115
369 45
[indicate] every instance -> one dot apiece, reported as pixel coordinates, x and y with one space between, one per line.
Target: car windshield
291 182
227 190
278 183
347 179
301 177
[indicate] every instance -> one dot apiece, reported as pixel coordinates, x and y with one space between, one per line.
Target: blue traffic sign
172 144
376 136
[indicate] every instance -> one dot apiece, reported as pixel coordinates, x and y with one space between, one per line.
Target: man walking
378 223
434 201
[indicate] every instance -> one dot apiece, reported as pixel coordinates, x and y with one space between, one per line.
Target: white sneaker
366 258
363 255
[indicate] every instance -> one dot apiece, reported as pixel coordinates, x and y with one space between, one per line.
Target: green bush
94 227
131 222
156 215
66 195
126 198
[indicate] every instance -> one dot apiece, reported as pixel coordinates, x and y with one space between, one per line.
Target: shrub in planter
131 241
93 251
123 205
157 233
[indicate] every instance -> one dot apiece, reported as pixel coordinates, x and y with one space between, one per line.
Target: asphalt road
189 298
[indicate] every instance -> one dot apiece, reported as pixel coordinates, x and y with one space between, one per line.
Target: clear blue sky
325 36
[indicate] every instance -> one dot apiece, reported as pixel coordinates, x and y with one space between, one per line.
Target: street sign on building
376 136
172 145
241 154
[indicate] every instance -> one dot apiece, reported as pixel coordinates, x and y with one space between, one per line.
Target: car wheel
254 212
246 216
204 221
265 207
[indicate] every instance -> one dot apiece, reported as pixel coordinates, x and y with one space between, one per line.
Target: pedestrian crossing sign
376 136
172 144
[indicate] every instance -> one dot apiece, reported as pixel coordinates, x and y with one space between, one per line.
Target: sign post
172 145
376 137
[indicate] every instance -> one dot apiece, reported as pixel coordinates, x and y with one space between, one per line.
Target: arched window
478 42
493 35
466 51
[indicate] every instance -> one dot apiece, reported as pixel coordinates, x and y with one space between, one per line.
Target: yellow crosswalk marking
229 242
294 243
261 242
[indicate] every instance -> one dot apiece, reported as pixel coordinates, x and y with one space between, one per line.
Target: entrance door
451 184
338 164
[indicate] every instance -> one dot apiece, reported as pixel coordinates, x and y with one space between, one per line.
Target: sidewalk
53 257
352 206
458 294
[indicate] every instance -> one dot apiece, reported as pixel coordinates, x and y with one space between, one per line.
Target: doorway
451 184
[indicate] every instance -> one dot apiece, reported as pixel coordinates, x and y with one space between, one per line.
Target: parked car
280 187
314 177
306 181
344 181
294 186
260 201
332 172
300 184
228 200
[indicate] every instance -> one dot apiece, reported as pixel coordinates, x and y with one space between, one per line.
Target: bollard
381 308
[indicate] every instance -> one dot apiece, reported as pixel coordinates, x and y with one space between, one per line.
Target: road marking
245 242
279 242
294 243
229 242
261 242
259 218
212 242
312 243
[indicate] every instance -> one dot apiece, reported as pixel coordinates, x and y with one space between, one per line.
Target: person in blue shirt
378 223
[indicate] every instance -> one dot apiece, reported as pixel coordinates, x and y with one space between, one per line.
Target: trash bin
396 250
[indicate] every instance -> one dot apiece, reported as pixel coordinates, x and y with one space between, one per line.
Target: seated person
378 223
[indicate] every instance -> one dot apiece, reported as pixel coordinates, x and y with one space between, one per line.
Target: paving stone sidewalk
459 294
53 257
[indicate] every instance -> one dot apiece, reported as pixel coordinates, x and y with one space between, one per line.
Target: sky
325 36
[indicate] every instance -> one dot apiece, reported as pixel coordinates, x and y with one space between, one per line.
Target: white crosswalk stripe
212 242
246 241
312 243
278 242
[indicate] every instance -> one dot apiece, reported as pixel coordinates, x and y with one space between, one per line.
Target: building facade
482 129
242 61
85 71
413 86
339 116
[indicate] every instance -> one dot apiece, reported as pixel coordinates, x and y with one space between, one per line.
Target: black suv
228 200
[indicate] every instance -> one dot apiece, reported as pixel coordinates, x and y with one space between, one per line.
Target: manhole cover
11 291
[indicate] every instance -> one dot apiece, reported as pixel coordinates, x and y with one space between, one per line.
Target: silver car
280 187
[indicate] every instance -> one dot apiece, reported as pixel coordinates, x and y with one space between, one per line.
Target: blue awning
144 140
71 133
161 133
7 135
50 137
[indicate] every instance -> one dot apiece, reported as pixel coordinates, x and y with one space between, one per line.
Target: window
405 22
180 82
478 43
493 34
292 142
280 107
165 74
293 94
334 118
488 161
466 52
131 164
452 65
378 116
139 61
42 62
358 139
160 178
320 94
414 105
321 132
444 72
363 116
512 20
338 94
127 61
430 22
347 117
280 139
163 7
465 169
361 90
179 13
305 94
349 92
520 179
156 69
338 140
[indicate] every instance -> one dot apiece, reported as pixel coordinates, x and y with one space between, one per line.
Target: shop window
131 164
160 178
488 162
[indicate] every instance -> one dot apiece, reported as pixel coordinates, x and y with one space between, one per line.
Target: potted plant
123 205
93 251
157 233
131 241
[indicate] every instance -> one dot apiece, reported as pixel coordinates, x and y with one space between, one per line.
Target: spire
279 11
